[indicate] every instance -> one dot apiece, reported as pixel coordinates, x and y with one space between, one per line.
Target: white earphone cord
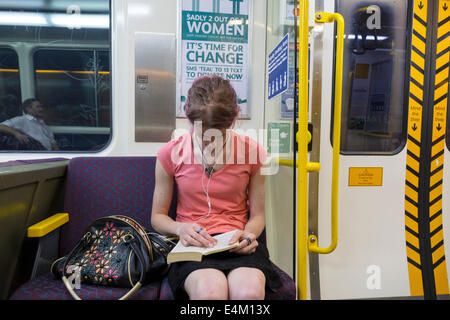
208 199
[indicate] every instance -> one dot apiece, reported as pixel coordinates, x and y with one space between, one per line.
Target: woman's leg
246 284
206 284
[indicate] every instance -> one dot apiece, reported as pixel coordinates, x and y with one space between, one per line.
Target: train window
10 95
375 86
63 49
104 89
74 85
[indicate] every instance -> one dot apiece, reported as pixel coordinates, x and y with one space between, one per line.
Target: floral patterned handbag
115 251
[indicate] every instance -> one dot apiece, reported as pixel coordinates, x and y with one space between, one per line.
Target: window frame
404 135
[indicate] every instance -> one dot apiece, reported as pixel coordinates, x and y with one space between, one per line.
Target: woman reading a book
220 188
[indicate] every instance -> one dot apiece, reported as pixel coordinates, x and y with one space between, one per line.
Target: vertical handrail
305 243
302 141
313 241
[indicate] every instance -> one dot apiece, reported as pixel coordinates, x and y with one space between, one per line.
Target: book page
181 248
222 241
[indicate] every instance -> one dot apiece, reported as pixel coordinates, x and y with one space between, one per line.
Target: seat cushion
46 287
288 289
166 292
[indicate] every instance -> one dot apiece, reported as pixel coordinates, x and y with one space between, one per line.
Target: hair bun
212 100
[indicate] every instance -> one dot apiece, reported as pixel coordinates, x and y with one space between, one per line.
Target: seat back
98 187
103 186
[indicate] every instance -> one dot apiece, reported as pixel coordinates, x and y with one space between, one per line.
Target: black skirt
224 261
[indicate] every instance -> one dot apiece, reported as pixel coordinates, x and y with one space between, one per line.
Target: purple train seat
98 187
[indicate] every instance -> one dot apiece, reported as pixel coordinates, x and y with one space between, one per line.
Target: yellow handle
310 166
312 239
46 226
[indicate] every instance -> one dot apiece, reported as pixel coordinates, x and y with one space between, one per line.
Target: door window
375 79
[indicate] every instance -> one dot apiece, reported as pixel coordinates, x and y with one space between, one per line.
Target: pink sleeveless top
227 187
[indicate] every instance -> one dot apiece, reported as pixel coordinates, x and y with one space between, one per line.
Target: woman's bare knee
206 284
246 284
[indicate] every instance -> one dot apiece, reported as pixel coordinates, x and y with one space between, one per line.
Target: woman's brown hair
213 101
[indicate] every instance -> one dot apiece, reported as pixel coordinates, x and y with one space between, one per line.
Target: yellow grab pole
303 137
302 141
313 241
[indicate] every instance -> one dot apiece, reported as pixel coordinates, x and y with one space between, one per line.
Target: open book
192 253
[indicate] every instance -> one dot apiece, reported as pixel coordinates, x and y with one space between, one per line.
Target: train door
393 210
280 127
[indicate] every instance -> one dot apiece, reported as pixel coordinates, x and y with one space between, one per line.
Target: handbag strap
131 292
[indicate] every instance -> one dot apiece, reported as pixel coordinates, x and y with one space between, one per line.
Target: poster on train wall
215 41
278 68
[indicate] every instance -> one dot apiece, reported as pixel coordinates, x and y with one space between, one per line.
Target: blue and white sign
278 68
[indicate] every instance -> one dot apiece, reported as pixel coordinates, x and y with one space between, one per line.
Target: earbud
209 171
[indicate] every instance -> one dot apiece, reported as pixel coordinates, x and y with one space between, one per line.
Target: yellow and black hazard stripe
416 97
440 101
428 98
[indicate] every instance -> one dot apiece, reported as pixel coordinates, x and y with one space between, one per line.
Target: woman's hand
247 242
191 234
